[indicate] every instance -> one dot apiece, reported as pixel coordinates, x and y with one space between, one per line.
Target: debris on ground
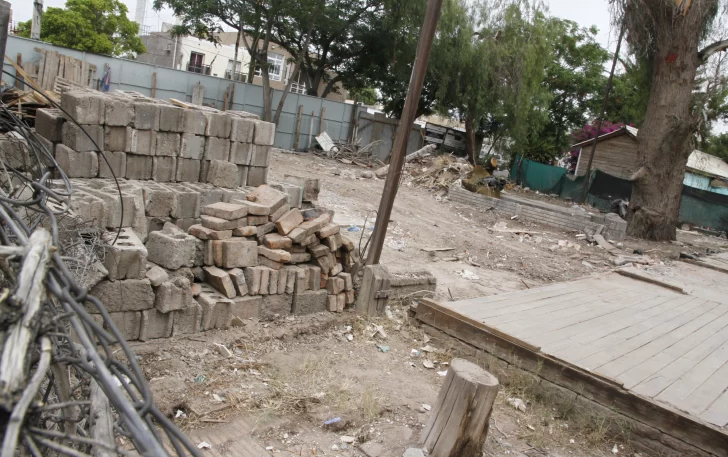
517 403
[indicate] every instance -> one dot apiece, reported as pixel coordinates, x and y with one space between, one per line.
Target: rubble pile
149 139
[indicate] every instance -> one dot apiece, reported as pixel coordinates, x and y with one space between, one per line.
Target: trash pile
440 173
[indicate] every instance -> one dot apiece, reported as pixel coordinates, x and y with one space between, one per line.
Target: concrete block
274 306
192 146
277 214
127 258
340 302
314 277
276 255
257 176
126 295
173 295
252 279
139 167
237 276
223 174
156 276
220 281
188 170
260 156
119 112
194 122
168 144
245 231
301 284
216 309
247 307
158 200
118 164
237 253
310 301
227 211
289 221
86 107
170 118
265 133
241 153
128 323
295 193
268 196
146 142
215 223
282 280
311 186
187 202
156 325
204 233
74 137
112 206
171 250
164 169
217 149
218 125
77 164
188 320
242 175
276 241
49 124
146 116
257 220
242 130
46 144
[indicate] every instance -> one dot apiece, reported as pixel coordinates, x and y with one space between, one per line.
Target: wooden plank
629 273
41 66
706 264
606 245
711 390
716 413
19 79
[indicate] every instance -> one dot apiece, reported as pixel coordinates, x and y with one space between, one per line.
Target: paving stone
126 295
118 165
220 281
139 167
49 124
311 186
171 249
241 153
257 176
156 276
223 174
204 233
237 275
194 121
242 130
276 306
237 253
192 146
252 279
77 164
164 169
227 211
247 307
128 323
246 231
170 118
265 133
173 295
86 107
310 301
289 221
216 309
146 116
76 138
188 320
276 241
119 112
260 156
127 258
215 223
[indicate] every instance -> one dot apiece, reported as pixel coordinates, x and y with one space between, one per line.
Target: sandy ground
287 378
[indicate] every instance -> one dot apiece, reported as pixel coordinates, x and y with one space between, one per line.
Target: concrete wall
379 128
554 216
160 50
703 183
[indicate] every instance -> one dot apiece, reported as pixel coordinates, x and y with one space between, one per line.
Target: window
299 85
196 64
237 75
275 67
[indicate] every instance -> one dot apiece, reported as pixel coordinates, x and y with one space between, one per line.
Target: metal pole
4 24
399 147
585 186
35 23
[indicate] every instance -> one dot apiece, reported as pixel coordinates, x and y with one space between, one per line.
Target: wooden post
232 94
310 129
19 79
298 127
374 291
459 423
321 120
154 85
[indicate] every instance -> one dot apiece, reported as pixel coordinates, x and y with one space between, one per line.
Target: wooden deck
662 345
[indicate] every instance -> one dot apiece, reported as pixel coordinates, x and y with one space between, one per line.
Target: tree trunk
234 75
665 139
470 146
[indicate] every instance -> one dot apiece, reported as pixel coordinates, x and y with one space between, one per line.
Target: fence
165 83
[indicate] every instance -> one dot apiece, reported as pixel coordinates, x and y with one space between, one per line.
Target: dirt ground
288 378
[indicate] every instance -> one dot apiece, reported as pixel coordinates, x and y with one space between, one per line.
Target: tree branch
714 48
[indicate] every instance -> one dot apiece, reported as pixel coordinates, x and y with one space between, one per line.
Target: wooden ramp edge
703 264
601 390
649 279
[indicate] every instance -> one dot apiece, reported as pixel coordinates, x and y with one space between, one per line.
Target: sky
584 12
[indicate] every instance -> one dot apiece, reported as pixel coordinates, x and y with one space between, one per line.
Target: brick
257 220
262 230
192 146
218 125
314 277
336 269
315 225
247 307
209 253
264 280
282 280
75 138
168 144
335 285
118 164
257 176
220 281
350 297
310 301
310 240
340 302
265 133
188 320
164 169
127 258
329 230
252 279
241 153
254 209
260 156
86 107
276 241
128 323
268 196
310 186
332 243
279 213
325 262
215 223
245 231
242 175
49 124
291 281
205 233
300 257
332 304
289 221
298 234
216 309
237 253
319 250
272 264
158 200
119 112
237 276
139 167
348 282
346 243
146 116
194 122
295 193
188 170
227 211
171 248
126 295
217 149
242 130
276 255
276 305
273 282
223 174
173 295
170 118
77 164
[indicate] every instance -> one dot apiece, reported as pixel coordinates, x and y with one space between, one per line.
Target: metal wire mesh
69 383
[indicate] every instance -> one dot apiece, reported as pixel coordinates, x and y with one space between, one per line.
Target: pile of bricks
148 139
255 256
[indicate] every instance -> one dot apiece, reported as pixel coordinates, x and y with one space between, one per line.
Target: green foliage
630 92
97 26
716 145
367 95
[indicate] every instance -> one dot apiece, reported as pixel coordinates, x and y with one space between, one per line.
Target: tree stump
460 418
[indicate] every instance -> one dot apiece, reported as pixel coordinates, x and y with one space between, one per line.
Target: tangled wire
69 383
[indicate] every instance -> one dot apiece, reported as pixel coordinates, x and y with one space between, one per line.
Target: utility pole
4 24
399 147
35 24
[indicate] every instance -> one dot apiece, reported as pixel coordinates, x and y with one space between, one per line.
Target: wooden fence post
298 127
321 120
459 423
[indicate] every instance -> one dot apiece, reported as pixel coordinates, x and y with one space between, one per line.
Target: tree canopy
97 26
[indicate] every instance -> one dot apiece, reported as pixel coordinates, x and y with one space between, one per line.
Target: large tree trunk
665 139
